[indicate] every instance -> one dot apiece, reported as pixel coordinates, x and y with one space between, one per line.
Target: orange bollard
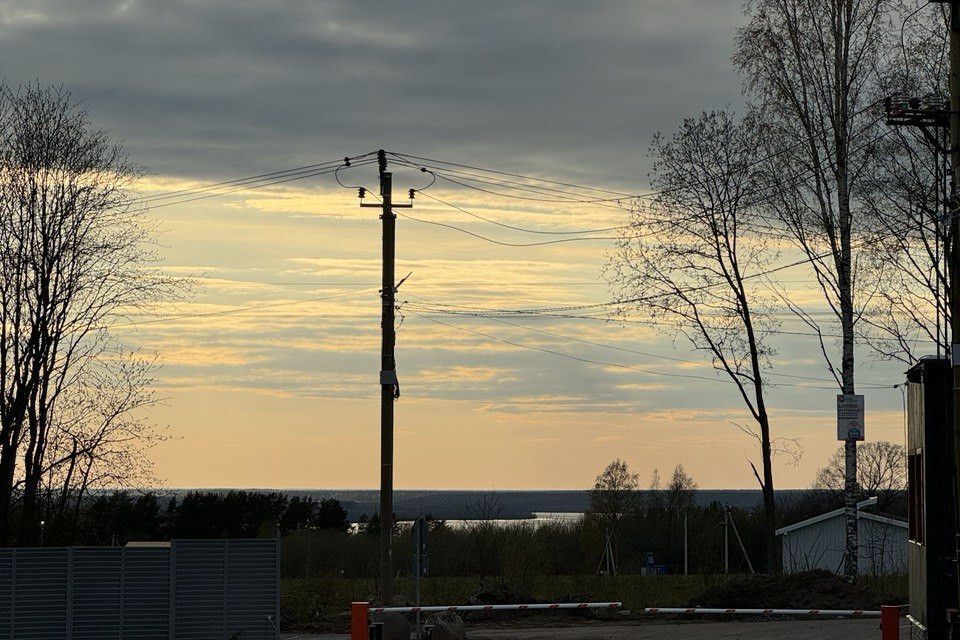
360 621
890 622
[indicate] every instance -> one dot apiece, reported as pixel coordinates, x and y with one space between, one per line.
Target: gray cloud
227 87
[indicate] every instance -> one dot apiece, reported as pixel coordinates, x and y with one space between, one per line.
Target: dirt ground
787 630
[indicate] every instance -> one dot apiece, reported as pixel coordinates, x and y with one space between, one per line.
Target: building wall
883 547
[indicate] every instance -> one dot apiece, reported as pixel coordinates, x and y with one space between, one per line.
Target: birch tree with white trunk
809 68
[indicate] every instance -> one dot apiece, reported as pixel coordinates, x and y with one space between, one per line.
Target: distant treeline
514 503
317 537
521 551
123 516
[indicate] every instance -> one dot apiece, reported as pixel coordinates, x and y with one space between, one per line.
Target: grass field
321 603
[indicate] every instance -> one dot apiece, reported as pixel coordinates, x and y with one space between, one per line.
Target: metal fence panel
97 580
40 594
146 593
6 594
251 606
196 590
200 587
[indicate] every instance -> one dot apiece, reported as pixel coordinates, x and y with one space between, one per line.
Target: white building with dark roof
819 543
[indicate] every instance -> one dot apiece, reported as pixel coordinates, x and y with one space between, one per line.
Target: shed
819 543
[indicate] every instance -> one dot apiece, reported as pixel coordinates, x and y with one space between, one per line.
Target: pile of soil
500 593
809 590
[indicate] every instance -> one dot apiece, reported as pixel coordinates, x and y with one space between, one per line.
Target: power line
648 298
407 156
601 363
489 313
679 291
262 176
753 226
501 182
516 197
166 195
246 187
237 310
513 244
523 229
648 354
623 194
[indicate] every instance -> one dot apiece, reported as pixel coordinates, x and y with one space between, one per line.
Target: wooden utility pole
389 385
388 380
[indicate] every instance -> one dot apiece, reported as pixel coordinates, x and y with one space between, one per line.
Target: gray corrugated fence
195 589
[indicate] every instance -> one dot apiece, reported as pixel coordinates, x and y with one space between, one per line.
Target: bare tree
483 511
693 262
682 490
906 198
614 495
881 472
74 259
653 501
809 67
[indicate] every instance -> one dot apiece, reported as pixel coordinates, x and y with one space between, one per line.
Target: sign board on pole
850 414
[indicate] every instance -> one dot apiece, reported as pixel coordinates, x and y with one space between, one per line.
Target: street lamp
42 522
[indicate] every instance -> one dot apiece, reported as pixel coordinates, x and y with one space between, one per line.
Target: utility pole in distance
389 385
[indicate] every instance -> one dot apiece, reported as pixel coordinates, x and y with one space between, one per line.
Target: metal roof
839 512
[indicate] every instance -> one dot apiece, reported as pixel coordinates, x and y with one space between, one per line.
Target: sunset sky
270 366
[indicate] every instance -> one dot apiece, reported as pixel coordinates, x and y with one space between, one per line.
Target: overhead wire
623 194
500 181
512 244
648 298
481 312
752 225
286 176
764 273
603 363
645 353
242 309
516 228
246 187
262 176
180 193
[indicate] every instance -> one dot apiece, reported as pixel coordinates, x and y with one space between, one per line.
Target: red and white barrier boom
360 611
833 613
501 607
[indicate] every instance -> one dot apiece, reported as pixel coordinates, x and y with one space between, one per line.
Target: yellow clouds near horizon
231 438
270 366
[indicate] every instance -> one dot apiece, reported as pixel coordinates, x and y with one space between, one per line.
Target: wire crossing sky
524 129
